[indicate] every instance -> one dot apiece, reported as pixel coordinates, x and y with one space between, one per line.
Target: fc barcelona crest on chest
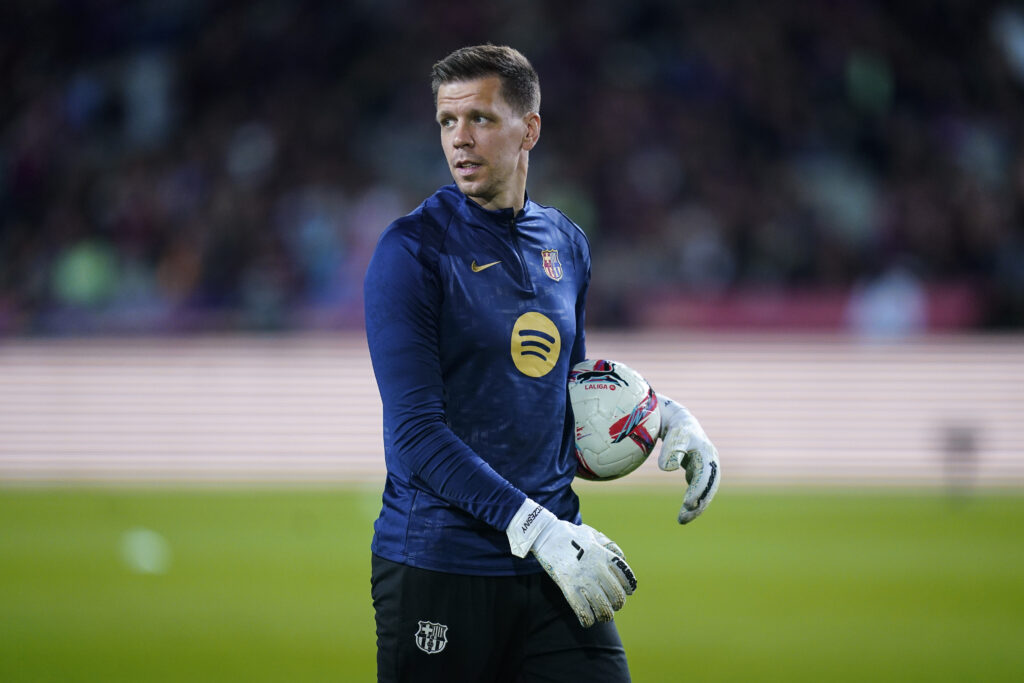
552 266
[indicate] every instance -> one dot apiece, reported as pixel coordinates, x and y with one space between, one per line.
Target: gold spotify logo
535 344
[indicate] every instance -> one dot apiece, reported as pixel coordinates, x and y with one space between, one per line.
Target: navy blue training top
473 320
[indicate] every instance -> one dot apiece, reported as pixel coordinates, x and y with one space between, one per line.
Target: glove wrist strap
673 414
527 524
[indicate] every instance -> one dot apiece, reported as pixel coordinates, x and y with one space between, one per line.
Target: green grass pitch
255 584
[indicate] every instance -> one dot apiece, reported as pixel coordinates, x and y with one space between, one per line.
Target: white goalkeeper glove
685 444
587 566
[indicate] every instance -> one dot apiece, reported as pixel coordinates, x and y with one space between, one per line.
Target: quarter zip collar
499 217
504 225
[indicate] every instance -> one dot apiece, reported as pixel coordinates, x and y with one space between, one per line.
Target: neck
518 198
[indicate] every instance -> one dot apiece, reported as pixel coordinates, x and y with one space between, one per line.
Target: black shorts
435 626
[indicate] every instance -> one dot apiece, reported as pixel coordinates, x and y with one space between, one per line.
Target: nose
461 136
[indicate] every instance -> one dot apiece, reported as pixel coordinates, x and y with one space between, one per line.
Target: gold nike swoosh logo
476 269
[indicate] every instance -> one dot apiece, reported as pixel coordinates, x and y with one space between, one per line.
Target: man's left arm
579 348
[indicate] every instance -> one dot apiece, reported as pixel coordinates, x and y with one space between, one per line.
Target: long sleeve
403 298
579 349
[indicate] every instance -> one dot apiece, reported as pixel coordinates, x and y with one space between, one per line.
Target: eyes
477 119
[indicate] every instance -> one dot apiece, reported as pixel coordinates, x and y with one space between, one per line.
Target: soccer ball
617 418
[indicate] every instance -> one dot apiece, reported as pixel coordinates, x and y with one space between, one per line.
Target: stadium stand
183 166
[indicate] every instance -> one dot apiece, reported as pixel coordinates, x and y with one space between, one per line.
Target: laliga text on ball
617 418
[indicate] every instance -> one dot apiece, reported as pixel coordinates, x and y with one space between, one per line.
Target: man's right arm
402 300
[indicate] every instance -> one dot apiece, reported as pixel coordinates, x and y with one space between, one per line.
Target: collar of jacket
496 216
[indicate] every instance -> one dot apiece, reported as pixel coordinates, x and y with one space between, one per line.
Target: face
486 142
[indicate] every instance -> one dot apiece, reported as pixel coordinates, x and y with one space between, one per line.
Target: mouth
466 168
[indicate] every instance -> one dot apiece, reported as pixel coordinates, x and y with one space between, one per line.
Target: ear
532 121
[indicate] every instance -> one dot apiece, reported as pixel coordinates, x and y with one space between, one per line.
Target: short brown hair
520 85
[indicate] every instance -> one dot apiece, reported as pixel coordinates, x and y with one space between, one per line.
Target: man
472 339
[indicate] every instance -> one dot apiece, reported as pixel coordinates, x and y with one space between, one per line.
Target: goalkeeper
481 567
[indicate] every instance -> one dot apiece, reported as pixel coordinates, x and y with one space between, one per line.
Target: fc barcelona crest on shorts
431 638
552 266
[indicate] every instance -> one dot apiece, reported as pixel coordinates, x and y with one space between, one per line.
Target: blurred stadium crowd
179 165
